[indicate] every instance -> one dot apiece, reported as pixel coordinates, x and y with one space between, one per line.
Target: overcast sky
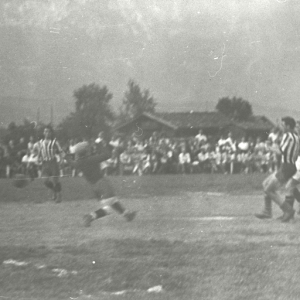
187 53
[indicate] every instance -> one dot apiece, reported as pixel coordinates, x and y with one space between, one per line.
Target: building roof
154 117
256 123
195 119
213 119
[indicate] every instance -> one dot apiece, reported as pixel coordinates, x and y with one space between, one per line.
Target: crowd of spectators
200 154
157 155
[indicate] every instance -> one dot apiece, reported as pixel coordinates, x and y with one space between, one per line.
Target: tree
15 132
136 102
235 108
92 113
69 128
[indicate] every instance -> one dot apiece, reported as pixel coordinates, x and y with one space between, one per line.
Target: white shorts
297 175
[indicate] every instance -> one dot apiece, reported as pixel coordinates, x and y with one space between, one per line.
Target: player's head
48 132
288 124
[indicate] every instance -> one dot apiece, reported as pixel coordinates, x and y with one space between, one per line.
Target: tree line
93 113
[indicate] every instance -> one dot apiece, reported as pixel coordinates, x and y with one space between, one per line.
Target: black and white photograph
149 149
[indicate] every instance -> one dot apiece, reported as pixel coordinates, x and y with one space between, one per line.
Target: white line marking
212 218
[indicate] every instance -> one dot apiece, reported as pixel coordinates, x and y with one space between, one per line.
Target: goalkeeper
88 163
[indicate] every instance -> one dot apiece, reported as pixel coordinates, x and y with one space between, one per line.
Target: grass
171 244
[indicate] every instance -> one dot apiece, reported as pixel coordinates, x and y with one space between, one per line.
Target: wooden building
187 124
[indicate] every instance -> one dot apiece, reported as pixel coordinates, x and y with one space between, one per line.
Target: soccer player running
88 163
289 149
49 149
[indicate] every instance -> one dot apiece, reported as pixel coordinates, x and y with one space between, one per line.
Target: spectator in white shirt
243 145
184 161
201 138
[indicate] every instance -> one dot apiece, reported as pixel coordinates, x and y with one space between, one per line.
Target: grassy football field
195 237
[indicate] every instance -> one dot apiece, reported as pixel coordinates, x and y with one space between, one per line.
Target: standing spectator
100 142
31 143
201 138
21 148
71 152
13 163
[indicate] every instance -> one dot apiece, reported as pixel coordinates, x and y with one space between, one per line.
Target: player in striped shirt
89 164
289 149
294 181
50 153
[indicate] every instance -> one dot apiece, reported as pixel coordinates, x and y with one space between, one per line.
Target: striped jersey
290 147
48 149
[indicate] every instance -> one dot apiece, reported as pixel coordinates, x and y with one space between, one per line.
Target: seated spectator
115 141
264 162
222 142
110 166
259 151
146 165
184 161
126 163
251 144
243 145
203 160
154 160
225 161
216 161
260 146
164 159
137 162
139 146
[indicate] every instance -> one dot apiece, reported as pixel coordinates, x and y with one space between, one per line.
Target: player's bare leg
271 186
292 194
56 190
266 212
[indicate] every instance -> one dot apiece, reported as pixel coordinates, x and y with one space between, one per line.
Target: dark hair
289 121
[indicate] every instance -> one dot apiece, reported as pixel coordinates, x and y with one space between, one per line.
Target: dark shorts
103 189
285 172
50 168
